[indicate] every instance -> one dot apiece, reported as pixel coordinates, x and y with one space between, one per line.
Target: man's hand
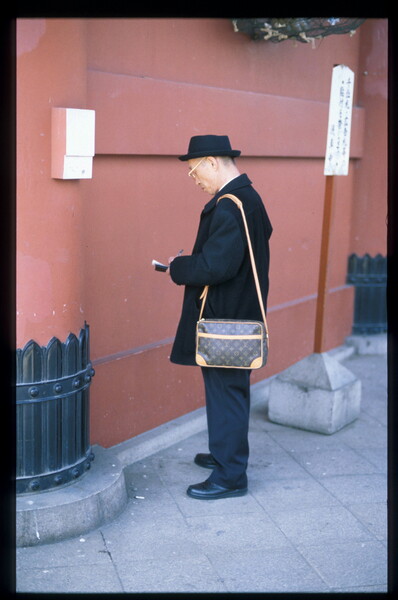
172 258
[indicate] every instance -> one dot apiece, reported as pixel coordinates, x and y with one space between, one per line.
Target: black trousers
228 409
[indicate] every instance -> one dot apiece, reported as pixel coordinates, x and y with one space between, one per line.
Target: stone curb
99 496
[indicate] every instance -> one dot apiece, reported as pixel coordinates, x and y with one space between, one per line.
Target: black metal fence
369 276
52 402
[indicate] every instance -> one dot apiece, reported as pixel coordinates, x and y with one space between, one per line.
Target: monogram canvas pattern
234 344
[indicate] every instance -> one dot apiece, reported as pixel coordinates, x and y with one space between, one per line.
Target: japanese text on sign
339 125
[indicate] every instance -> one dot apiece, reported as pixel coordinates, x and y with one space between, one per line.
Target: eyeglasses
190 174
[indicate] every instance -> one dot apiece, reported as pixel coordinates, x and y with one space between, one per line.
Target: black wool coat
220 258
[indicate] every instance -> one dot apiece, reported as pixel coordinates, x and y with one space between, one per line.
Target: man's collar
235 183
227 182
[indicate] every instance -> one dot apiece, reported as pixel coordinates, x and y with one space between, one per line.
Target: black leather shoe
211 491
205 460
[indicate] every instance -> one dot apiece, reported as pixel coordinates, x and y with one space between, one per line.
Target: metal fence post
52 403
369 276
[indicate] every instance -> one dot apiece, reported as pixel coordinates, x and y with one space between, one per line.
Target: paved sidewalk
314 519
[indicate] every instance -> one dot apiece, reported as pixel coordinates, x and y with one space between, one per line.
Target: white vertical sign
339 127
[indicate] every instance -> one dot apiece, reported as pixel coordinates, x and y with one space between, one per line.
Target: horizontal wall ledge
133 351
129 352
147 116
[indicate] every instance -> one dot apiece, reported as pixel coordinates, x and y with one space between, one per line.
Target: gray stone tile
276 466
88 548
136 538
298 440
282 494
181 574
236 533
72 579
262 445
362 432
147 491
373 517
146 508
339 461
377 411
376 456
322 524
353 565
357 488
271 570
372 370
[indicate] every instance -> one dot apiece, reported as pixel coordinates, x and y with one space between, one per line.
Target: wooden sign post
336 163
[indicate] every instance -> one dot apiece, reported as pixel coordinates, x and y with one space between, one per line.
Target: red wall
50 229
153 83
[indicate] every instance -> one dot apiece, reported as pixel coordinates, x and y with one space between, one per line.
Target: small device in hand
159 266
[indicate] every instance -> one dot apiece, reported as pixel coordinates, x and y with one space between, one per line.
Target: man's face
203 171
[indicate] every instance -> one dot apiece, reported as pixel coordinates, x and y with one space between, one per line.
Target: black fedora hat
209 145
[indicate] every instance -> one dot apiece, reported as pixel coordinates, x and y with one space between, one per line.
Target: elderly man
220 259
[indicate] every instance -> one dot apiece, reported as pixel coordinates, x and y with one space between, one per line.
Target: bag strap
252 260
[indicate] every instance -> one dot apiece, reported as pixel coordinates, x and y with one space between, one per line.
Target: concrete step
98 497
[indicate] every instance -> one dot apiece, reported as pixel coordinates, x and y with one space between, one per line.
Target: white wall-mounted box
72 143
